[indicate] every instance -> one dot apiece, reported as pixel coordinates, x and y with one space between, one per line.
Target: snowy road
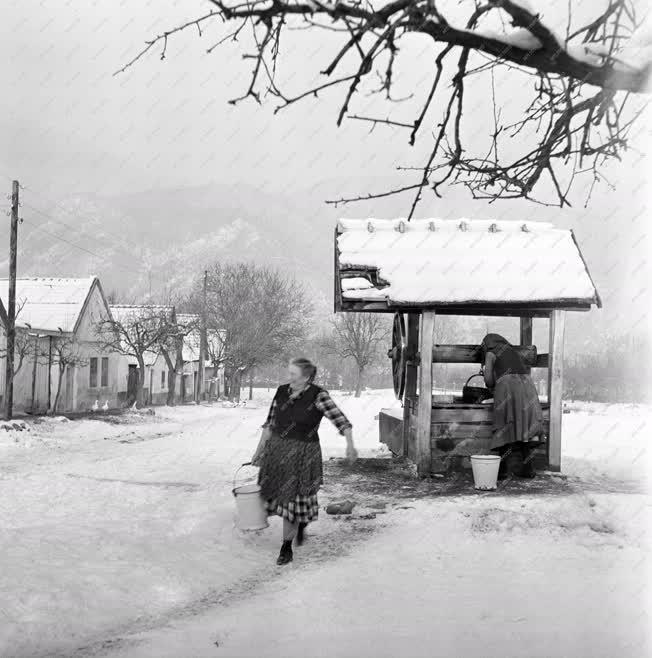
118 540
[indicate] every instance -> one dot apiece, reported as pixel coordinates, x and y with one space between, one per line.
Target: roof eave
538 308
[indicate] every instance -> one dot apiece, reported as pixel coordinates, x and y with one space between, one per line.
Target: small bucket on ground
251 513
485 470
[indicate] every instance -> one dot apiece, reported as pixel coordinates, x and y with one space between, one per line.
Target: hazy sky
68 125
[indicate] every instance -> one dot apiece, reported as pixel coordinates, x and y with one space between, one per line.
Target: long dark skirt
517 411
290 476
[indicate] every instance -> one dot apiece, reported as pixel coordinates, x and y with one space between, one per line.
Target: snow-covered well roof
50 305
459 263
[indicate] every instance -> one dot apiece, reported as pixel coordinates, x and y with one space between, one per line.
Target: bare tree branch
583 83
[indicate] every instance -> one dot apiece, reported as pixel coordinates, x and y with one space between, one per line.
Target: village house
157 376
213 375
56 325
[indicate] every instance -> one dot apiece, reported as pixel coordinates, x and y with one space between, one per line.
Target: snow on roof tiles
44 304
465 261
123 312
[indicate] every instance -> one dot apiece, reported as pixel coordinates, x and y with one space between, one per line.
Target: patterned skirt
517 411
290 476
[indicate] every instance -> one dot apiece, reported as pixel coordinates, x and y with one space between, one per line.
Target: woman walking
518 420
289 454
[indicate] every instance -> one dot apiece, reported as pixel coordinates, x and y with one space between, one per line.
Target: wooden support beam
472 354
555 383
526 335
411 372
542 310
337 292
426 340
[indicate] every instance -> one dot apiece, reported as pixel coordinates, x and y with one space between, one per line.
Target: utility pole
203 348
11 306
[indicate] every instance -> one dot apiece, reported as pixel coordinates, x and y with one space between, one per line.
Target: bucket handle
236 474
477 374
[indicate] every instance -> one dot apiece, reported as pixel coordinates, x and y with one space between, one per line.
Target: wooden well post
411 373
424 409
555 383
526 334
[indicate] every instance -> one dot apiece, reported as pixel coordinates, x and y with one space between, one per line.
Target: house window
93 373
105 371
162 378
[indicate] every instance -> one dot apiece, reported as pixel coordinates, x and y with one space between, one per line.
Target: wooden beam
555 383
472 353
337 291
411 372
424 410
497 310
526 335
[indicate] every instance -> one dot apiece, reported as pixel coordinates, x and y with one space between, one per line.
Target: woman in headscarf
518 420
289 454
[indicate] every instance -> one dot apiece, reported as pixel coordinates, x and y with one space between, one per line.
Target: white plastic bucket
485 470
250 507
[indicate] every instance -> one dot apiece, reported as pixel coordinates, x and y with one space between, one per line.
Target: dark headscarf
493 343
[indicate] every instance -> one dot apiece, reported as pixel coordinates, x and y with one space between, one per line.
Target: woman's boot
285 555
300 531
528 470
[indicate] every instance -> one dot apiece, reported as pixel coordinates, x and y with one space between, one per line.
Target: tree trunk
172 378
215 387
235 392
251 384
358 382
62 372
140 382
179 371
228 382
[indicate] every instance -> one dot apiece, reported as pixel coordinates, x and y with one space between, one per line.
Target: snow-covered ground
119 539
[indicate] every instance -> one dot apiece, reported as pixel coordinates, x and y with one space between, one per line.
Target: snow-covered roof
460 262
126 312
48 304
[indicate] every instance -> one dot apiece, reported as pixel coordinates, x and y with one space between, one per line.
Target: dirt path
379 488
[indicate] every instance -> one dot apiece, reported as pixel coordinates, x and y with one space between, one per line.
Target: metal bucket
485 471
251 513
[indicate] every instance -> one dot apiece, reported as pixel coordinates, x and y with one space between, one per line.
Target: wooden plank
526 336
473 354
542 361
504 309
555 383
426 340
391 432
469 414
460 431
337 292
410 376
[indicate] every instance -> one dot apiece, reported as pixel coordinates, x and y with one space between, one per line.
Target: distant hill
171 235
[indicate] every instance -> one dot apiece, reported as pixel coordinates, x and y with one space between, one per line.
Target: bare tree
258 315
358 336
65 354
170 345
577 112
216 352
23 341
135 331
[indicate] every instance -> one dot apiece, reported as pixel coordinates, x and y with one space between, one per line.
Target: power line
58 237
120 239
